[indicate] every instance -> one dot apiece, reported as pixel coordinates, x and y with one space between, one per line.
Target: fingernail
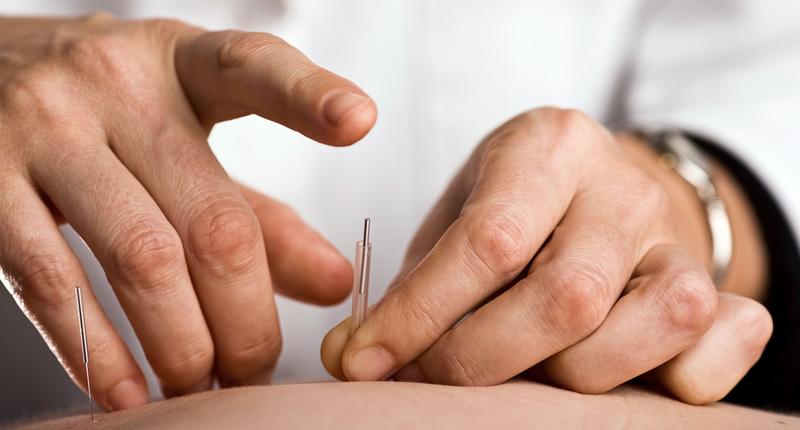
370 364
127 394
410 373
339 105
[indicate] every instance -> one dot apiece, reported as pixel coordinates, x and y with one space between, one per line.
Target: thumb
229 74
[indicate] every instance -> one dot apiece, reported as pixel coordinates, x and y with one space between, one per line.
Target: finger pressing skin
671 307
303 265
709 370
508 215
221 238
230 74
141 253
43 271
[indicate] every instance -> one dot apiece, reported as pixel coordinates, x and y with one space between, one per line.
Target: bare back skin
395 405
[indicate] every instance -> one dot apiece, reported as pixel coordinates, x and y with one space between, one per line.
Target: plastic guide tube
361 280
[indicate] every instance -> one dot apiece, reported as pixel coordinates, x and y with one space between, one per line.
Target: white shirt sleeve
728 71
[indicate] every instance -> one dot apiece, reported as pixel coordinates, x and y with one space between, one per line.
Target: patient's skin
389 405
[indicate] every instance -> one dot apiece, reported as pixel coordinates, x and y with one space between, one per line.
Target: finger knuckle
225 233
576 133
250 357
103 55
578 292
303 78
519 128
571 123
691 301
44 280
146 252
652 199
508 137
459 370
186 363
496 237
420 314
567 118
34 92
568 132
537 115
239 47
560 135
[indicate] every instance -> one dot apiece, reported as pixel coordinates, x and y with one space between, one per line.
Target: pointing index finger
229 74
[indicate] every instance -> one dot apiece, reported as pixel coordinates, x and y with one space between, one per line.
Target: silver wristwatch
678 152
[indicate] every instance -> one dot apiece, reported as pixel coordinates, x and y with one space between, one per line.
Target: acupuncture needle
361 280
84 349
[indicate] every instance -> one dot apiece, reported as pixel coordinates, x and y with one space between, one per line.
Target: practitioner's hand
103 123
566 249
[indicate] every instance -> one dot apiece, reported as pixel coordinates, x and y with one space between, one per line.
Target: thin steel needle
84 348
364 266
